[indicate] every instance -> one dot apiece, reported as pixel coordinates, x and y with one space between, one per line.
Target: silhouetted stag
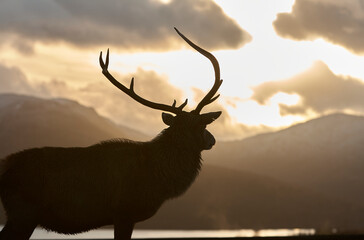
119 182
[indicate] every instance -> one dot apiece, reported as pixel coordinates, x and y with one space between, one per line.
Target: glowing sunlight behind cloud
287 99
271 76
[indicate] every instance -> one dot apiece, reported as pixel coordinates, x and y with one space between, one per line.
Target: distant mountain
27 122
223 198
325 155
293 178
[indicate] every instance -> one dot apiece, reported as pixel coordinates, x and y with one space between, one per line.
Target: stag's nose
211 145
213 141
209 140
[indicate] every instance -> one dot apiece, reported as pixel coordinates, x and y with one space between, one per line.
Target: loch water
108 233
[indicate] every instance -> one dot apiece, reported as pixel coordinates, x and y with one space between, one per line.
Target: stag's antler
130 91
209 97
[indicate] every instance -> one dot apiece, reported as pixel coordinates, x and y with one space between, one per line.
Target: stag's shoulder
119 144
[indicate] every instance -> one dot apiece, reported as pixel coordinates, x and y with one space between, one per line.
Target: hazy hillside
223 199
283 179
27 122
325 155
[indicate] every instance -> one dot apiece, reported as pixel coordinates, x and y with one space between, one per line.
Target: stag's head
192 124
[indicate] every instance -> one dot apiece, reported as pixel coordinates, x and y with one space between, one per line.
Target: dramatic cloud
121 108
320 90
340 22
117 106
103 96
225 127
127 24
13 80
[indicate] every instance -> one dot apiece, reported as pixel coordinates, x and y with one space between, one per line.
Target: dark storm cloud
339 22
320 90
128 24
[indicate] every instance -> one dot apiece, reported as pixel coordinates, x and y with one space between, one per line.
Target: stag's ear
168 119
208 118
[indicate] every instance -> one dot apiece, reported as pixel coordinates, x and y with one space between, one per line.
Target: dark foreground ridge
308 237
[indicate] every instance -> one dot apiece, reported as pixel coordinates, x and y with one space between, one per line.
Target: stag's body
129 182
119 182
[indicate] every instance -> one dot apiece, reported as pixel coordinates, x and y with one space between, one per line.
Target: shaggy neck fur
178 161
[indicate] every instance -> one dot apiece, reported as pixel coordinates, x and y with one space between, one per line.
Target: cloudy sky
282 61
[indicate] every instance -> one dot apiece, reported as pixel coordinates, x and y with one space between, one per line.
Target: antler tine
130 91
209 97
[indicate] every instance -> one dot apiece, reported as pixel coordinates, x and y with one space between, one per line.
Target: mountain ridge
324 154
28 121
251 183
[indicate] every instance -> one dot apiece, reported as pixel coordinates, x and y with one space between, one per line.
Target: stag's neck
179 162
173 147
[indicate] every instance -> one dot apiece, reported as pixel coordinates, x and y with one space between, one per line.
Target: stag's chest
178 173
